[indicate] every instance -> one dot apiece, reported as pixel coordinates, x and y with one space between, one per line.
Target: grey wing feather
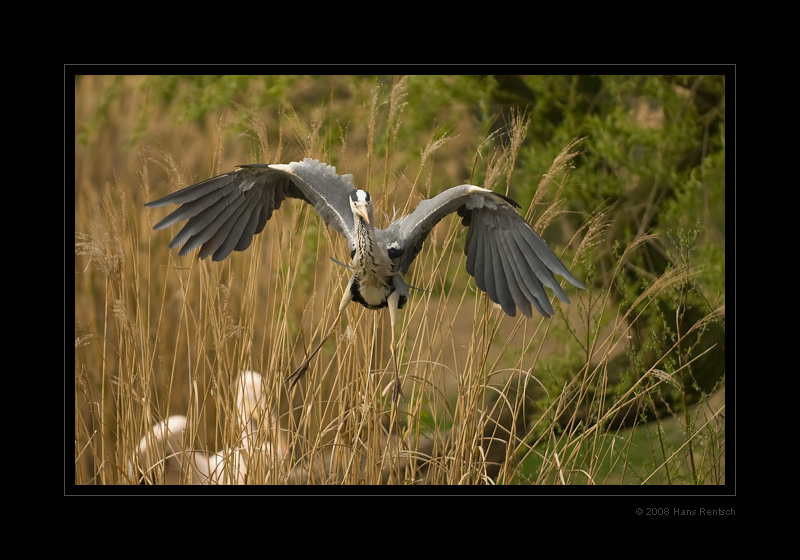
549 258
500 270
470 249
528 283
527 262
517 280
329 193
231 233
508 260
223 213
483 265
411 230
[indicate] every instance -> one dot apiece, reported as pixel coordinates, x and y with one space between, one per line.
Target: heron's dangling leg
301 370
392 303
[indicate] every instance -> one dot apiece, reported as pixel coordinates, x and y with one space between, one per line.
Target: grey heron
508 260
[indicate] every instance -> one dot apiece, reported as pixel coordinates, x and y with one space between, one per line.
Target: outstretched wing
225 212
508 260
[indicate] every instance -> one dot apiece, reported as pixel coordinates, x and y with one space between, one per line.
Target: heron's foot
300 371
297 374
397 391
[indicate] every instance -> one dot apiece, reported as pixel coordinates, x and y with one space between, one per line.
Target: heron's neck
370 262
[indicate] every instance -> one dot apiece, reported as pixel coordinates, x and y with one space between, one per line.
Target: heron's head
361 205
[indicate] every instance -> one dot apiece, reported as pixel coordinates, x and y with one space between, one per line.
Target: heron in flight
508 260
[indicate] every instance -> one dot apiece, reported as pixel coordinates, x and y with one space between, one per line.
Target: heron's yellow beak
363 211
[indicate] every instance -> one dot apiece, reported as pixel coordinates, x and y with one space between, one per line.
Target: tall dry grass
157 335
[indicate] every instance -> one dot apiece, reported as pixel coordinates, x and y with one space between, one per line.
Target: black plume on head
354 195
